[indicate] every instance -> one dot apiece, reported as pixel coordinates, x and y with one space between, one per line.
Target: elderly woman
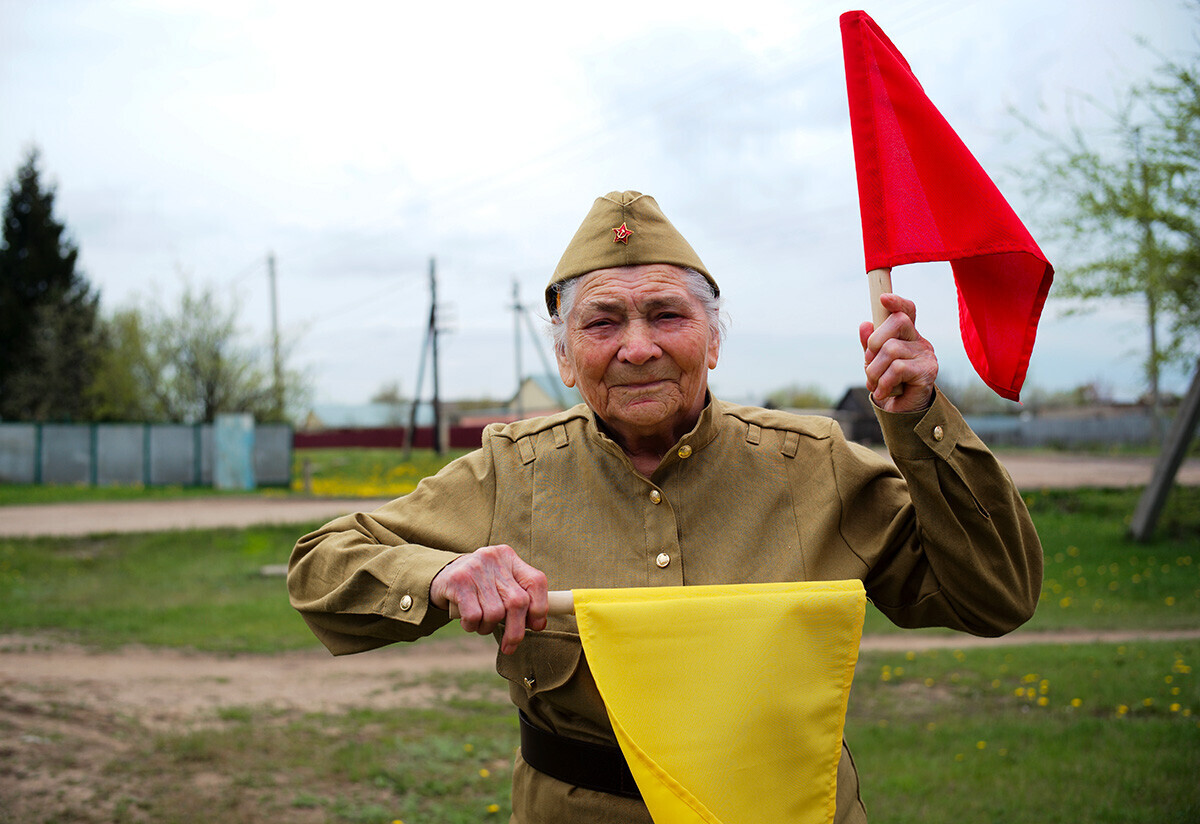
654 482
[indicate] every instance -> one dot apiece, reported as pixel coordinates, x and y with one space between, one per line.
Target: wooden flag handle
562 602
880 281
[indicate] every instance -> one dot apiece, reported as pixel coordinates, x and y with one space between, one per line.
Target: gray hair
697 286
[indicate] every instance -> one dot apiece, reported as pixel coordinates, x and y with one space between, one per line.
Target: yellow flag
728 701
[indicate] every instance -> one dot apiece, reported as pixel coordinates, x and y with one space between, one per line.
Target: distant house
537 395
856 414
364 415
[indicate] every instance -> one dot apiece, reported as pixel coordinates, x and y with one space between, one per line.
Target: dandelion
980 745
484 772
929 682
1077 702
468 748
1003 751
1122 709
1065 602
1175 708
1148 702
1043 701
1170 600
958 756
910 656
1174 690
493 808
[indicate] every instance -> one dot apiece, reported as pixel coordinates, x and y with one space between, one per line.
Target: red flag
924 197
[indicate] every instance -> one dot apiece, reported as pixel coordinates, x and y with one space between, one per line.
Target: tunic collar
700 436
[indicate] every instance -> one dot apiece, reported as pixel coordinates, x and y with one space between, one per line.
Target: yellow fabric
728 701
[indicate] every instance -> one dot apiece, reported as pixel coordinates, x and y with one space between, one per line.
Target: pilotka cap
623 229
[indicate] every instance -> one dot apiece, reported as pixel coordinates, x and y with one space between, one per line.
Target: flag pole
880 281
561 601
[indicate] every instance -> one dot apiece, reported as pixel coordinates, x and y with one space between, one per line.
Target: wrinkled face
639 347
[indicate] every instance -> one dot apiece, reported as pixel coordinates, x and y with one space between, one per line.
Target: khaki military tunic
749 495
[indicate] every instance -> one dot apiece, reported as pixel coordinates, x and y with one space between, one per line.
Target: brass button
529 682
938 433
662 560
655 496
685 451
406 603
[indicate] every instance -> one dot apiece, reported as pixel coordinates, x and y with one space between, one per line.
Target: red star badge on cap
621 234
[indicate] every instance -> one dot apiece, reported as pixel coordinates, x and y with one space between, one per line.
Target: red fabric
924 197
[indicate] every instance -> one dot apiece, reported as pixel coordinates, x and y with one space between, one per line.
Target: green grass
195 589
203 589
1095 577
28 494
1092 733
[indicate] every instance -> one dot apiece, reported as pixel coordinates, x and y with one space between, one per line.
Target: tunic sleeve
960 549
362 580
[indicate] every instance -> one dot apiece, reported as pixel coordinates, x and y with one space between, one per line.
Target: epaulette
810 426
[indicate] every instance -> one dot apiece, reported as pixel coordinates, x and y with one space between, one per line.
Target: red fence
460 437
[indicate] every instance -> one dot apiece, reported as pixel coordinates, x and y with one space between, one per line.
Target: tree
48 310
388 394
188 365
795 396
1128 198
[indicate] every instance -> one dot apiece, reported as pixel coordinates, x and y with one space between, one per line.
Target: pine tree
47 309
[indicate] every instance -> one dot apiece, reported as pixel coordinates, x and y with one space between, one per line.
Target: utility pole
517 309
430 345
438 446
521 311
277 361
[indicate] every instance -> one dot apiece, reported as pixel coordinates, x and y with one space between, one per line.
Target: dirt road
1030 471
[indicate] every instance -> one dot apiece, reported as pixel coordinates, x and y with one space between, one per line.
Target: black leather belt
592 766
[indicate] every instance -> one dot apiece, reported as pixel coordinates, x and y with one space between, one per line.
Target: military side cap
623 229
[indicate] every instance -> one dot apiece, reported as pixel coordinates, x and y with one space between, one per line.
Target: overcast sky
355 141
